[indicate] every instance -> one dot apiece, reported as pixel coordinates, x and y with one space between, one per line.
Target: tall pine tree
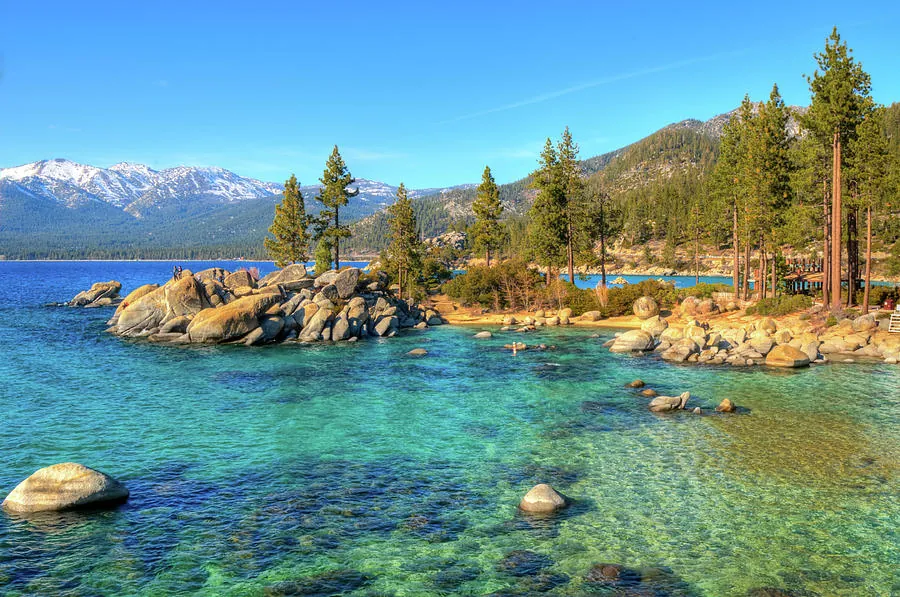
404 254
333 196
840 101
290 239
487 230
547 217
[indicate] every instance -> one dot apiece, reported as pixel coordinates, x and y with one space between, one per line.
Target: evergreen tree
290 239
547 226
579 229
488 233
334 195
725 187
404 254
322 257
840 101
869 176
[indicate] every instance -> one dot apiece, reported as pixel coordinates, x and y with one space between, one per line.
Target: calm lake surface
354 469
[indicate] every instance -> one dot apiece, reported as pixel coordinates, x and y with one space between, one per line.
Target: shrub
780 305
879 294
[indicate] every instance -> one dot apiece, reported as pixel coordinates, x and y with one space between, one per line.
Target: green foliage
879 294
403 257
508 285
487 232
784 304
333 196
322 256
831 321
290 240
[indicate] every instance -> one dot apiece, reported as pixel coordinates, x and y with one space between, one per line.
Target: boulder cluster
760 341
218 306
100 294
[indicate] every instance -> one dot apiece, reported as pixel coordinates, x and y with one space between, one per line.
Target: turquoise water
591 281
354 469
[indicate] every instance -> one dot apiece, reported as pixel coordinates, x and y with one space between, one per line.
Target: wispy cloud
543 97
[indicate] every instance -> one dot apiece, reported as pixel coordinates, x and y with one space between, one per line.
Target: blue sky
425 93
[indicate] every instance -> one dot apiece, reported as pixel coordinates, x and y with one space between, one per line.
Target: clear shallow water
355 469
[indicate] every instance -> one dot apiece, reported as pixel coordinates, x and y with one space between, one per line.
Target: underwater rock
726 406
522 562
638 383
65 486
417 352
482 335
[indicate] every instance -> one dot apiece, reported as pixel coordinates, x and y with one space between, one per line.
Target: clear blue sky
427 93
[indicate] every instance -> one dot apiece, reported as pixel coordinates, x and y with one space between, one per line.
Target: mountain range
61 209
57 207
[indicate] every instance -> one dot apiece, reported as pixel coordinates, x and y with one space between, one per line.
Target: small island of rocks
217 306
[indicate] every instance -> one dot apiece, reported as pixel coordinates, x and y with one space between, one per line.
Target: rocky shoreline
793 342
216 306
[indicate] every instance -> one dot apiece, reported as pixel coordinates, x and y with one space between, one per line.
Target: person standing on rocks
174 272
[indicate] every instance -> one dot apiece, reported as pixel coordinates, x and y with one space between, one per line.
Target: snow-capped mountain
136 188
140 190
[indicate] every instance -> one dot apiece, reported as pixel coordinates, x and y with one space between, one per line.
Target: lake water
354 469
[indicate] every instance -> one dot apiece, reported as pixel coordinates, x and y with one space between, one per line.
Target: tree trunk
868 259
488 259
836 225
697 257
735 272
337 240
826 252
746 289
602 247
852 255
774 260
570 255
762 271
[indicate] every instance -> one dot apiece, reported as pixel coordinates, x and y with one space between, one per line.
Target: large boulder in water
631 341
145 313
97 292
542 499
185 296
785 355
645 307
232 321
64 486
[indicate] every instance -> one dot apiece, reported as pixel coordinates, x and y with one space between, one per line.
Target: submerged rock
482 335
638 383
417 352
542 499
65 486
726 406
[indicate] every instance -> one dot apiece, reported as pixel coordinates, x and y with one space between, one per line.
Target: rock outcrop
100 294
217 306
65 486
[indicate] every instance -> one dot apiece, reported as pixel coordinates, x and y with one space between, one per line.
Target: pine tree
487 231
840 102
725 182
869 176
579 232
547 226
322 257
334 195
290 239
404 254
